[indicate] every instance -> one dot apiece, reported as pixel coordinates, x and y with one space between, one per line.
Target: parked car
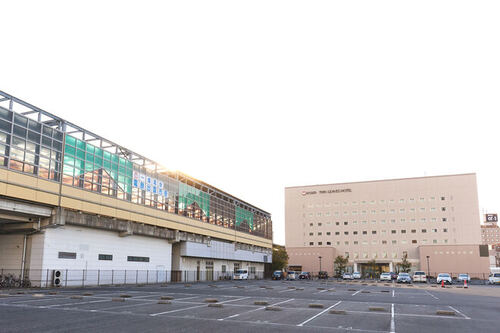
494 278
241 274
394 276
419 276
278 275
322 275
347 276
305 276
463 277
403 278
356 275
291 275
444 277
385 277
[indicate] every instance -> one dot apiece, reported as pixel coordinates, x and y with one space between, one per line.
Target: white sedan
494 278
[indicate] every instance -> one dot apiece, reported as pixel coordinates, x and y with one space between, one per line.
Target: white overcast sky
253 96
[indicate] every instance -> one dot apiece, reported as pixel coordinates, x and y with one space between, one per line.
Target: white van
241 274
419 276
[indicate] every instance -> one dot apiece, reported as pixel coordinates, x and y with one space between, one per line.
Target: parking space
296 305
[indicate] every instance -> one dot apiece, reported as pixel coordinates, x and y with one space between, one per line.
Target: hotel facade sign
343 190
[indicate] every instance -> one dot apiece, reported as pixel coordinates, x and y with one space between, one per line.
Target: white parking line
261 308
322 291
357 292
98 301
428 293
393 293
124 306
284 291
458 312
319 314
393 325
198 306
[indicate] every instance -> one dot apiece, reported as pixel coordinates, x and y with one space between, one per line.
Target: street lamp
319 263
428 270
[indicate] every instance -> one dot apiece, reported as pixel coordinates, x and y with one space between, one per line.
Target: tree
404 265
280 258
340 264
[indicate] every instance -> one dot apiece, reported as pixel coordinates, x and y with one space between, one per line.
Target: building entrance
373 270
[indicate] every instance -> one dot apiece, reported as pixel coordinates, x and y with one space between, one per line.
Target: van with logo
241 274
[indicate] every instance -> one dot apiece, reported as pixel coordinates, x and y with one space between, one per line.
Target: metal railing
11 278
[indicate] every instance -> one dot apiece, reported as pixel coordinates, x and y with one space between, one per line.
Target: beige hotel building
435 217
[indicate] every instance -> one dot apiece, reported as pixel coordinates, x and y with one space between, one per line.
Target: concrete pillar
391 267
355 266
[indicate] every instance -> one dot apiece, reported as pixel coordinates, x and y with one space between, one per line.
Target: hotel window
364 243
442 198
354 222
434 241
394 255
346 213
310 234
403 241
346 243
345 203
311 243
382 201
374 232
318 214
393 231
393 221
422 219
394 242
327 214
392 211
328 243
403 231
433 198
384 242
310 214
433 219
414 241
422 199
364 212
424 231
382 211
372 202
310 224
328 233
412 200
354 232
356 255
319 224
365 255
374 242
363 202
413 220
412 210
401 200
105 257
354 212
346 232
402 210
337 233
338 243
138 259
364 232
320 243
383 232
337 223
346 223
391 201
363 222
374 211
383 221
434 230
354 203
413 231
444 219
443 209
403 220
422 209
320 233
355 242
337 213
433 209
445 230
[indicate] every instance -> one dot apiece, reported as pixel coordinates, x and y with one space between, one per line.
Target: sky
254 96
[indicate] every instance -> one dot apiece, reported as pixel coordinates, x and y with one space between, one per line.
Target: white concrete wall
221 250
11 253
88 243
188 267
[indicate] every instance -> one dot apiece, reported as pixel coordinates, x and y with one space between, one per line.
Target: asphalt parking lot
247 306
